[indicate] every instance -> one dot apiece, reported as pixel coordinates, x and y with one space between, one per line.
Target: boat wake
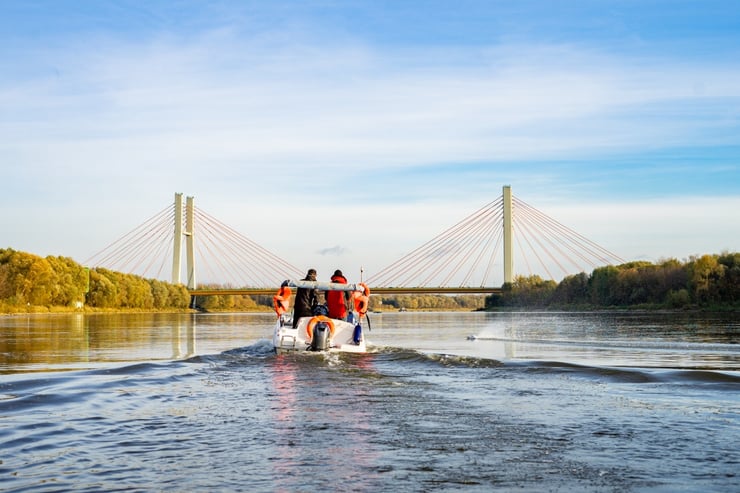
620 344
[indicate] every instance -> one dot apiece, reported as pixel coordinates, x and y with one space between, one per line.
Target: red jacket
336 301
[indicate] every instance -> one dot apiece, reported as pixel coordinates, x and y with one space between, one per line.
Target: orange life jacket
335 300
281 301
362 299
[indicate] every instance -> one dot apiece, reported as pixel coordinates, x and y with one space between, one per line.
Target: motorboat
319 332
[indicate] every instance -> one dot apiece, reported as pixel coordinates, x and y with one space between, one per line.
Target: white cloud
223 99
258 130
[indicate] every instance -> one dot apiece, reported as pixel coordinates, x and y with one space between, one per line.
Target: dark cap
338 273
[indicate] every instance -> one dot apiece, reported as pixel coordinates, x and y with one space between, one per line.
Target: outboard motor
321 336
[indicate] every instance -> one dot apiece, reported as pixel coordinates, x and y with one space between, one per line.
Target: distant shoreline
602 310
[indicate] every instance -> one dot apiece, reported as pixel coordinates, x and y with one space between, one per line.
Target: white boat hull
286 339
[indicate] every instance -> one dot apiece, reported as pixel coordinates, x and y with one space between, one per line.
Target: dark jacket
305 300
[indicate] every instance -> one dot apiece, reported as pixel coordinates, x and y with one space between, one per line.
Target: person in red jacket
338 301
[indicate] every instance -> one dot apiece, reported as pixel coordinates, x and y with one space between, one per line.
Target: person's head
320 310
338 273
311 274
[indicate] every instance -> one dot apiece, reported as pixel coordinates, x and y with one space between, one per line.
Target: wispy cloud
404 139
218 99
334 251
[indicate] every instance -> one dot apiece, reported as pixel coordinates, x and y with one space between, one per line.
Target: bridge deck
373 291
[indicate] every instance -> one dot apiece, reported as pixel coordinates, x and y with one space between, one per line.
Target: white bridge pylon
508 236
189 237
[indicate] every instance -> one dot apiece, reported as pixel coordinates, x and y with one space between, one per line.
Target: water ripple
395 419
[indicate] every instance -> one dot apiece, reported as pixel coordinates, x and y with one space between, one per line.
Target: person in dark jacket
305 299
338 301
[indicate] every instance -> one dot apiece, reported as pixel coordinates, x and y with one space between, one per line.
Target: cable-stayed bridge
461 259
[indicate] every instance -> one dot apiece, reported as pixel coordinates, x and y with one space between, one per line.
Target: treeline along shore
30 283
709 282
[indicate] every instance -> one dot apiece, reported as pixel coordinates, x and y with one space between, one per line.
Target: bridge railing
373 291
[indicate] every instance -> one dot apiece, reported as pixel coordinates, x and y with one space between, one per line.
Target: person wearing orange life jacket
338 301
281 301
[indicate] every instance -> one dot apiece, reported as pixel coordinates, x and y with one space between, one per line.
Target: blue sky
376 123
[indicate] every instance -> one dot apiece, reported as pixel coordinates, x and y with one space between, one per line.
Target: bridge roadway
379 290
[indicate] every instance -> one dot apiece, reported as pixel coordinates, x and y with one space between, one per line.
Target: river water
534 402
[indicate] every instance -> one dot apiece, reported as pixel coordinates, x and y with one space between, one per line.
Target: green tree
572 290
26 278
103 292
70 281
178 296
160 293
705 275
602 285
529 291
729 285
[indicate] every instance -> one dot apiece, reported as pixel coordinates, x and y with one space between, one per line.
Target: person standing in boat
338 301
305 299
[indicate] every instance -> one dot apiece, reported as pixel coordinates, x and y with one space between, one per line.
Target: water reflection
187 342
60 342
284 376
319 401
57 342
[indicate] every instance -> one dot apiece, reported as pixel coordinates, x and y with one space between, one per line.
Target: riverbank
641 309
616 309
63 310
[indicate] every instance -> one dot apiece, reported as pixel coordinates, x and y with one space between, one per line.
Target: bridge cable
604 254
554 240
410 265
120 254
